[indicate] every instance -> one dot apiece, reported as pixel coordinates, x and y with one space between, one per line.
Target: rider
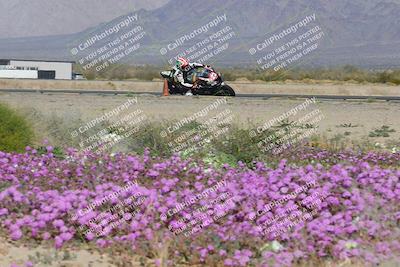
182 67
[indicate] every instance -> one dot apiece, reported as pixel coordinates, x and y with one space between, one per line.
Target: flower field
315 206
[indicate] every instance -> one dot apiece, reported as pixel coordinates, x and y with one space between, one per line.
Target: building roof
38 60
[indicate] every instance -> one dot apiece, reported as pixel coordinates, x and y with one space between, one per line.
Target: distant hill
22 18
359 32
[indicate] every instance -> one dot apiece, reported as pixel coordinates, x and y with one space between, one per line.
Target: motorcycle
206 81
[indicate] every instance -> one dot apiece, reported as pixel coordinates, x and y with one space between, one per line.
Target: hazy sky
21 18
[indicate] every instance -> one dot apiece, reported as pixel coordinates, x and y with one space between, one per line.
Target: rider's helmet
182 63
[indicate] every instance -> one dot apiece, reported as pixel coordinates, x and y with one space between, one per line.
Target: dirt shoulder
46 255
353 119
241 87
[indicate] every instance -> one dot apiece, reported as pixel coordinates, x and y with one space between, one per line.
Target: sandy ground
48 256
362 116
241 87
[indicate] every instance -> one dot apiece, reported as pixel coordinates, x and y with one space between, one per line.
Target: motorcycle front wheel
225 90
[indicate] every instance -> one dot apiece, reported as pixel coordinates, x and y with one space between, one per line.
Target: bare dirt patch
241 87
355 119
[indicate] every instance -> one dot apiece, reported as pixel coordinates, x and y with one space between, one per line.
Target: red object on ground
165 89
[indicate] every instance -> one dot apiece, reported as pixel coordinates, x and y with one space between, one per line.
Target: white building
35 69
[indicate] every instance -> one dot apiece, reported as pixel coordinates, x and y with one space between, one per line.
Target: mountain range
359 32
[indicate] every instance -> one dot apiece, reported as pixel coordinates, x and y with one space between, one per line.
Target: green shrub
15 132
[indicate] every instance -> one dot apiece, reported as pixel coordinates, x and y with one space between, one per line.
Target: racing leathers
180 74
